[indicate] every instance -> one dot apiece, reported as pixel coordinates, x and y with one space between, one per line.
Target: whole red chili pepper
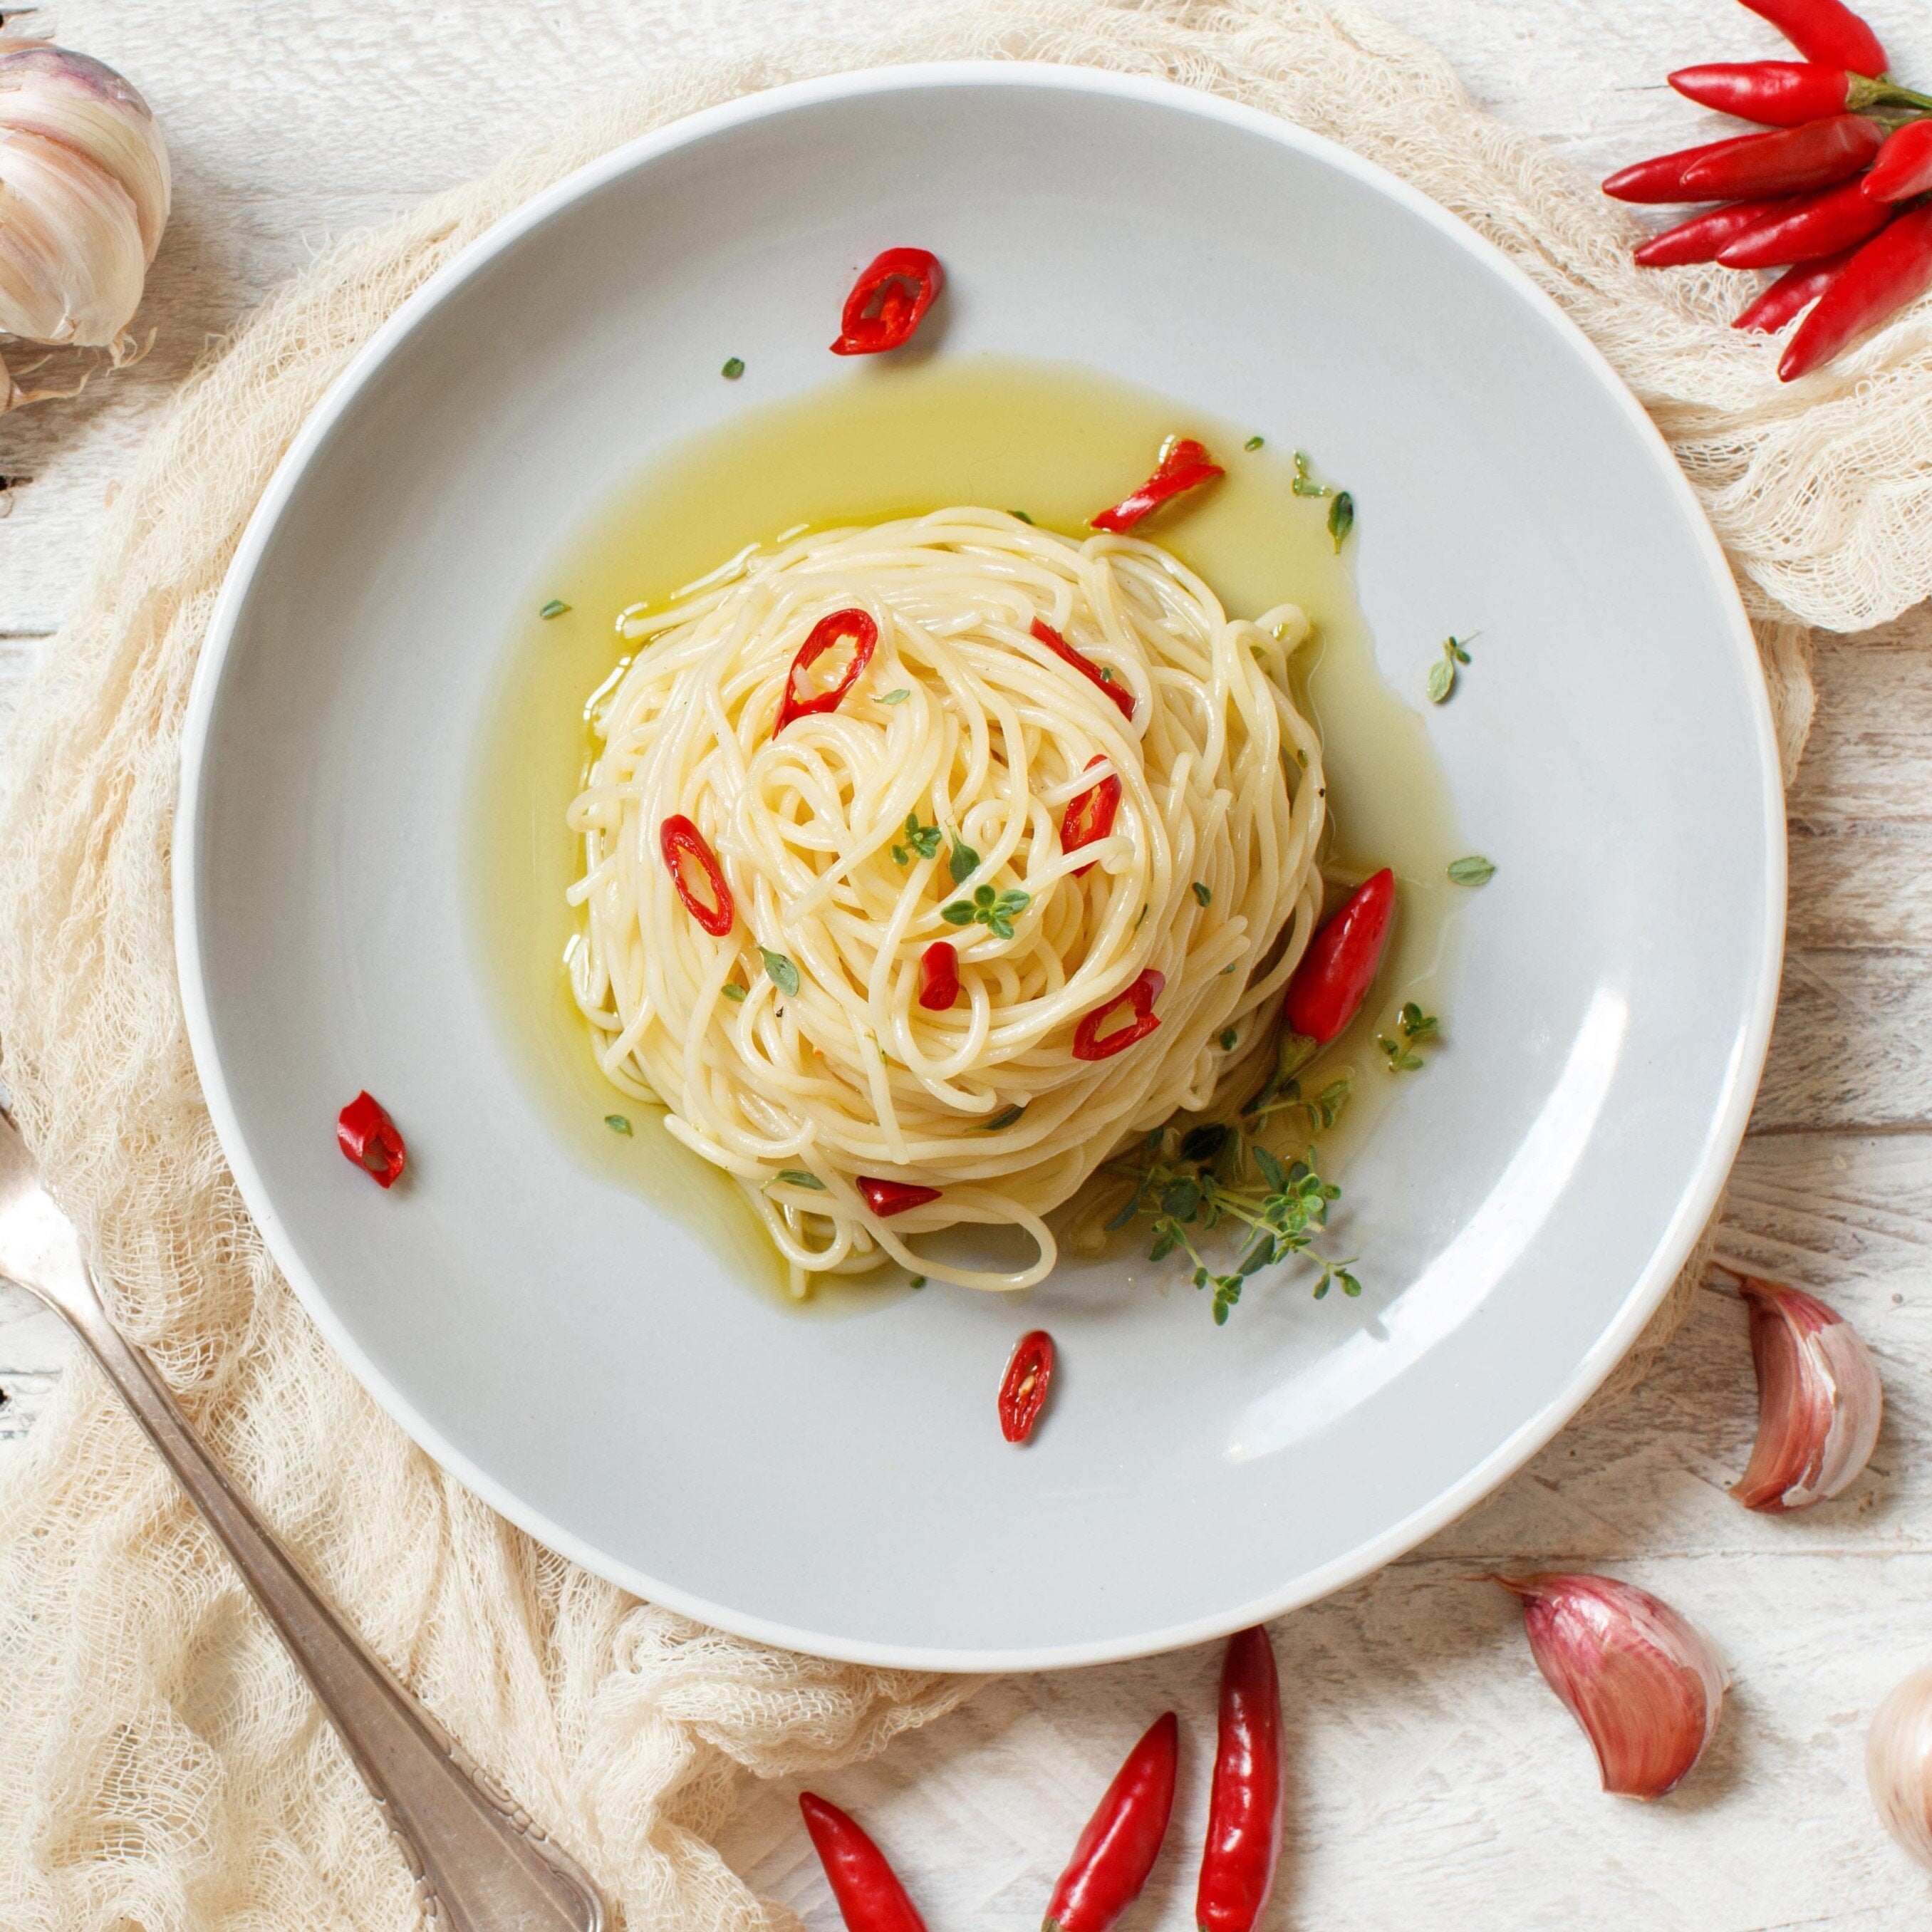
1244 1808
938 975
1341 963
856 624
1661 178
679 839
870 1896
1775 94
889 302
1825 31
1123 699
1790 161
1904 164
1023 1387
1892 268
888 1197
1807 228
368 1136
1089 1043
1183 465
1116 1851
1700 239
1090 814
1794 290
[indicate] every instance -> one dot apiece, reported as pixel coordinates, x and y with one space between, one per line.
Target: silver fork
481 1865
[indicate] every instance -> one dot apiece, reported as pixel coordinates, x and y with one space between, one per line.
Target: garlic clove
1898 1763
1642 1681
1820 1400
71 262
74 99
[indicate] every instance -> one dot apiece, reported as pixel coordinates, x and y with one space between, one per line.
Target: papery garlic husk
1642 1681
1898 1763
84 196
1820 1400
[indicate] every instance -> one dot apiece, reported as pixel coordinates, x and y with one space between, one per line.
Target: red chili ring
1091 813
1023 1387
1088 1043
680 839
938 975
362 1129
905 283
855 624
1122 698
1184 465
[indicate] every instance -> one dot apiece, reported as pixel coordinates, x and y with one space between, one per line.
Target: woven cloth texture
164 1766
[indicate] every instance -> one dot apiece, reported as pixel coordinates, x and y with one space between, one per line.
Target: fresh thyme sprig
1412 1024
923 839
1442 672
1207 1182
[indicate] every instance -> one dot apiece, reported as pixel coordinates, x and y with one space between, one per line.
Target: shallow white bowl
837 1485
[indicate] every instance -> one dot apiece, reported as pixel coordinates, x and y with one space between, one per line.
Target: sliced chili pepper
1807 228
1797 289
1023 1387
1244 1807
1700 239
1661 178
889 302
679 839
859 627
1116 1851
1825 31
1791 161
1184 465
1775 94
869 1895
1122 698
368 1136
1891 269
1904 164
1090 814
1341 963
888 1197
1089 1043
938 975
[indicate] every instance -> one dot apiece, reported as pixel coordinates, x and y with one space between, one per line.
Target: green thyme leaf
733 368
1305 485
1203 1143
1005 1118
1205 894
1441 680
1458 648
1416 1025
1400 1060
1270 1169
1475 870
556 607
897 697
733 991
982 897
784 973
901 856
964 862
617 1123
959 913
1021 514
1013 900
796 1177
1341 518
917 1281
1253 442
1230 1038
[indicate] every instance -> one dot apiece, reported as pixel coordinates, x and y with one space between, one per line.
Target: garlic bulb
1820 1400
1642 1681
1898 1763
84 190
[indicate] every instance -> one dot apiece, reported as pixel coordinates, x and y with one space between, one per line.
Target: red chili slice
1184 465
888 1197
1341 963
1088 1041
856 624
1122 698
889 302
938 975
679 839
368 1136
1090 813
1023 1388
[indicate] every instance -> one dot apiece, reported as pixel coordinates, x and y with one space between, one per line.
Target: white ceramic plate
837 1485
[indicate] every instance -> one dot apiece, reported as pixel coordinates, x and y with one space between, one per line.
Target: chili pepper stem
1865 94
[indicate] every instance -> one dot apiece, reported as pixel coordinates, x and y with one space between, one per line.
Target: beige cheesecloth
160 1764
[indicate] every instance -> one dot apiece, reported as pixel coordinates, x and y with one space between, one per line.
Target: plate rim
1703 1188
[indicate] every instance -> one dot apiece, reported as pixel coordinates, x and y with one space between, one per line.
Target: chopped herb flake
1021 514
1230 1039
556 607
1442 673
1475 870
733 991
796 1177
617 1123
1005 1118
917 1281
783 974
897 697
1253 442
1204 893
733 368
1341 518
1304 484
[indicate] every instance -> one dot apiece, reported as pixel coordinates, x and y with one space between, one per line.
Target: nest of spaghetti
926 864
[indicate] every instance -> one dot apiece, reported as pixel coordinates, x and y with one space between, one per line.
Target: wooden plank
1852 1047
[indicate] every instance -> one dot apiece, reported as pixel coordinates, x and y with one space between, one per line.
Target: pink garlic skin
1898 1764
1643 1682
1819 1400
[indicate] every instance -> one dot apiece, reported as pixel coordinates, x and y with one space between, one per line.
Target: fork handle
480 1862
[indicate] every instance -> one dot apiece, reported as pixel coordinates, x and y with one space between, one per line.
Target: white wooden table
1435 1781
